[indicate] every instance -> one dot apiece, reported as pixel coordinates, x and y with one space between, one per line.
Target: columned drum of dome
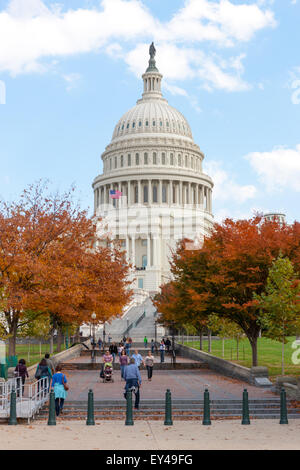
153 192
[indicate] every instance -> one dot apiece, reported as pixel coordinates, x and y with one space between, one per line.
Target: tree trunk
51 342
209 340
59 340
253 342
282 357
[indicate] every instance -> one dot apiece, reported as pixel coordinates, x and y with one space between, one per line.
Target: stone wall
222 366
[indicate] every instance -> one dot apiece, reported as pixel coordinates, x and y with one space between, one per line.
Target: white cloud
277 169
34 35
226 189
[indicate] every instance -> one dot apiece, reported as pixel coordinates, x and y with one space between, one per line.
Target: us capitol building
153 192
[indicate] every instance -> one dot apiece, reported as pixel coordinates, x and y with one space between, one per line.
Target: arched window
154 158
174 194
186 160
171 159
154 198
122 161
137 159
110 164
133 124
129 159
147 123
163 158
127 127
179 160
145 158
153 123
136 194
140 123
116 162
145 193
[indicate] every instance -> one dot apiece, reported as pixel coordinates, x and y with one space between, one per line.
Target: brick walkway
189 384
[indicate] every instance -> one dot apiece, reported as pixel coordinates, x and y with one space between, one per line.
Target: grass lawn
31 353
269 354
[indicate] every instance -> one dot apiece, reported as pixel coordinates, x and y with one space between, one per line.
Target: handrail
134 324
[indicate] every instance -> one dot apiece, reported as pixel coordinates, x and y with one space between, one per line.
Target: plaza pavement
188 384
152 435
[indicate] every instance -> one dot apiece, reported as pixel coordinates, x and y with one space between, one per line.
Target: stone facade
154 162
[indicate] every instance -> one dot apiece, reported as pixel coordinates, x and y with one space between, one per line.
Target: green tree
279 304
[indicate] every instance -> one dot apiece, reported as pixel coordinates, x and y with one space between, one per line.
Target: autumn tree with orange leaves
232 265
52 262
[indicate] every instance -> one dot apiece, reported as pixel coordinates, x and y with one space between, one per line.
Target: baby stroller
107 373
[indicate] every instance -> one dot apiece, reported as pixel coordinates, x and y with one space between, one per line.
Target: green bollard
206 414
168 409
13 409
90 414
52 416
129 418
283 409
246 418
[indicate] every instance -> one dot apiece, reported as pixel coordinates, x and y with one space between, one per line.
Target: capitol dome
153 116
153 176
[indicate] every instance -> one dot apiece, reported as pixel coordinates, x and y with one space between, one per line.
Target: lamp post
93 316
104 334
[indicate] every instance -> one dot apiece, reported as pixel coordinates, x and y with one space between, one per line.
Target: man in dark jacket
21 374
133 381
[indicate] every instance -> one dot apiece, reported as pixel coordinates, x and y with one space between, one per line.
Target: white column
139 192
181 193
133 250
128 193
159 192
202 196
149 192
148 251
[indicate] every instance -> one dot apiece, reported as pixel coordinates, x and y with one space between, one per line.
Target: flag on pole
115 194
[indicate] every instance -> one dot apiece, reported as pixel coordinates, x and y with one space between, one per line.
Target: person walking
50 363
168 344
43 371
120 349
133 381
145 341
152 346
21 373
130 343
138 358
59 384
127 347
162 349
113 350
100 344
149 361
123 363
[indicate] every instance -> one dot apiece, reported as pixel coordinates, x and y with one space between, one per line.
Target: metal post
52 417
90 412
206 413
168 409
283 409
13 408
245 418
67 338
129 418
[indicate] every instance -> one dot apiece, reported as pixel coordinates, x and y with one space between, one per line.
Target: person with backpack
43 371
21 373
59 384
50 363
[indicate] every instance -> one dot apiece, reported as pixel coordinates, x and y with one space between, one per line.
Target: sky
70 69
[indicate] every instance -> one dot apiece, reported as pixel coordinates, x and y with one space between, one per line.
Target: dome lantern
152 78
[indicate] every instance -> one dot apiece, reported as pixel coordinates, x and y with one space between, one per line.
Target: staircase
133 325
182 409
